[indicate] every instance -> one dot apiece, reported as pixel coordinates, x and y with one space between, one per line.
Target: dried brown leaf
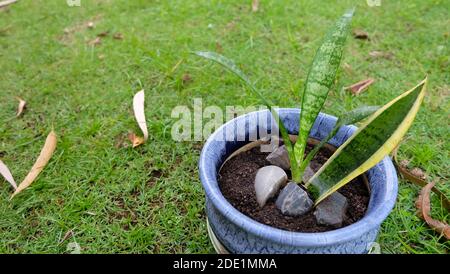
4 171
410 177
424 209
404 162
359 87
360 34
103 34
135 140
21 106
139 114
417 172
41 162
255 5
66 236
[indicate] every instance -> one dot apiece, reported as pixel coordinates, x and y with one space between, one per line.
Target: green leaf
230 65
351 117
356 115
373 140
320 79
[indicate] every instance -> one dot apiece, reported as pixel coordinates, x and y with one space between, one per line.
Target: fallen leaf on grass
135 140
423 205
139 114
41 162
118 36
255 5
7 3
4 171
411 177
21 107
359 87
360 34
417 172
103 34
66 236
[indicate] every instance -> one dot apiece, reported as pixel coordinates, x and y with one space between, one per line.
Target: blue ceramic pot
241 234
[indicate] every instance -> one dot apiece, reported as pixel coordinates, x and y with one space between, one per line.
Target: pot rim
375 214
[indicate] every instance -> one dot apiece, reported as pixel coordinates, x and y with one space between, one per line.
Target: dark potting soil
236 183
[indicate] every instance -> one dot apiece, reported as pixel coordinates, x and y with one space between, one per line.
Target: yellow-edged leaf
374 139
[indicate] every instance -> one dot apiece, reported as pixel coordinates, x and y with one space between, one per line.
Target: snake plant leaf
320 79
356 115
373 140
348 118
231 66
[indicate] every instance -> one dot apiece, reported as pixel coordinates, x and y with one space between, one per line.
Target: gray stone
307 174
293 200
271 143
268 181
331 211
279 157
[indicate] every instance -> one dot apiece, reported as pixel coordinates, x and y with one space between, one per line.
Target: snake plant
375 138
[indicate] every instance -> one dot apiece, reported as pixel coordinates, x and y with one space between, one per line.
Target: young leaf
320 79
229 64
41 162
4 171
356 115
348 118
375 139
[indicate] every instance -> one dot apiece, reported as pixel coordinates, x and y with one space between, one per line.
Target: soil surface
236 183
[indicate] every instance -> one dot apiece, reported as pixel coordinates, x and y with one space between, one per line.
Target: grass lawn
149 199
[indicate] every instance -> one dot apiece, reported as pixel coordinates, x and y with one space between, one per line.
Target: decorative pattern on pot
241 234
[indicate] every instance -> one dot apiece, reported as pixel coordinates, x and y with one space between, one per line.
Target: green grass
149 199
